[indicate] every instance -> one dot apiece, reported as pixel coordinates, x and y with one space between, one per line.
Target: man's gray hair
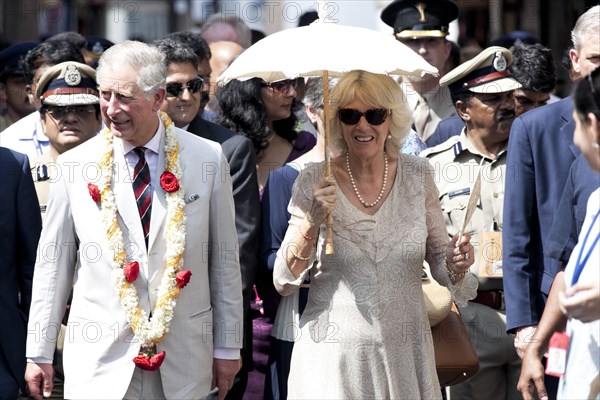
242 30
587 24
146 59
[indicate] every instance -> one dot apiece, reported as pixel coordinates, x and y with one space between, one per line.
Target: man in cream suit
116 227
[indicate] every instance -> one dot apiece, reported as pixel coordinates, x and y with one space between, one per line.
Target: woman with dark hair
265 113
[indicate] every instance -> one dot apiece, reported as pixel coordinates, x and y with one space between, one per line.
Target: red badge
557 354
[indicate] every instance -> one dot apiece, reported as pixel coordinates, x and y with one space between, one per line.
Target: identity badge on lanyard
559 342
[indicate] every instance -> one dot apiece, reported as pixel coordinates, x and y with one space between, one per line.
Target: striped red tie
143 190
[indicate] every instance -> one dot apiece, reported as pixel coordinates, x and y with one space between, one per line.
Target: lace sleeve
284 281
437 242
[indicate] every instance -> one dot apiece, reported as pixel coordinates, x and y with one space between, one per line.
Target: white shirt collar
153 144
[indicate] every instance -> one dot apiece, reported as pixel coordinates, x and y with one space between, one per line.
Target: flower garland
148 331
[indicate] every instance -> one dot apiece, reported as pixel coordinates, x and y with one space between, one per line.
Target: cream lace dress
364 333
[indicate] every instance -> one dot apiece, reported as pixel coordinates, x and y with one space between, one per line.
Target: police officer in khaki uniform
422 25
70 115
482 93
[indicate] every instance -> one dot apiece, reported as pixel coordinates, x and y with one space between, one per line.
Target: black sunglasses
174 89
282 87
59 112
374 116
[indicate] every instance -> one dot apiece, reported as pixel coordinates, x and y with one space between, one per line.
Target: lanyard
580 264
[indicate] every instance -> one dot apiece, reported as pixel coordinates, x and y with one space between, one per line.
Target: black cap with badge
420 18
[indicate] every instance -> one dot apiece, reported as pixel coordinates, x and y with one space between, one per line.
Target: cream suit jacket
100 346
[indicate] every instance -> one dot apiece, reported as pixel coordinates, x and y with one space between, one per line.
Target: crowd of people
165 235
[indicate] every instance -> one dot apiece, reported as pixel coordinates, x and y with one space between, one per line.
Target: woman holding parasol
364 332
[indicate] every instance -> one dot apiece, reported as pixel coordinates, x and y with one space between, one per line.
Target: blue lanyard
580 264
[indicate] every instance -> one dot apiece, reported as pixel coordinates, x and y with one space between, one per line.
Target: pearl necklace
383 187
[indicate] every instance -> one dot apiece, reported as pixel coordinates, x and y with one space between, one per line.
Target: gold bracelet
306 237
453 275
296 256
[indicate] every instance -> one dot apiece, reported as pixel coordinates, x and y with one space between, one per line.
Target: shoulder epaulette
441 147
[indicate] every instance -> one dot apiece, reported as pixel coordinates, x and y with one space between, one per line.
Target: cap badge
499 62
72 76
421 9
98 49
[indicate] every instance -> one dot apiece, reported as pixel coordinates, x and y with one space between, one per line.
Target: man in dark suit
183 105
20 227
540 154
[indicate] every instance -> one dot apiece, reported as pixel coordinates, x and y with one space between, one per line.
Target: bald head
223 54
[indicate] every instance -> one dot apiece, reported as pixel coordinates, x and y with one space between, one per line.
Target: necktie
143 191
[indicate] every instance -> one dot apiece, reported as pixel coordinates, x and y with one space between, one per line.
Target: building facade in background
480 21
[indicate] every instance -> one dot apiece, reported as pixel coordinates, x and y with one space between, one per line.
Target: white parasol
324 46
329 50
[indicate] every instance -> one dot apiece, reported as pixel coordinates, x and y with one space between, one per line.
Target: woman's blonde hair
376 91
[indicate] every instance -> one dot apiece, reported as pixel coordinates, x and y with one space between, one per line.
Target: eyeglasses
174 89
374 116
58 112
282 87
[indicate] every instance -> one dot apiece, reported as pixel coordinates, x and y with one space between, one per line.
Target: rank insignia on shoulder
41 173
457 148
459 192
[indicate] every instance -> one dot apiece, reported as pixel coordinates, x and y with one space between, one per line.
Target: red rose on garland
131 271
94 192
183 278
149 363
169 182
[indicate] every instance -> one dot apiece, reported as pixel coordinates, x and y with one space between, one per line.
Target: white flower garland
148 331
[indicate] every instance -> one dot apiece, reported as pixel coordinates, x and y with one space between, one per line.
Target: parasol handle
329 250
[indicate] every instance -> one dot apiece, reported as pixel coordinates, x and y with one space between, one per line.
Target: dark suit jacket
239 152
448 127
20 227
581 183
540 154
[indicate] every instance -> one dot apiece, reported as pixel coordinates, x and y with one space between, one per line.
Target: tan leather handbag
438 300
455 357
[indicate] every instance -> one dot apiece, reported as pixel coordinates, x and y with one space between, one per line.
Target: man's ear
462 109
30 94
159 97
574 56
594 128
447 49
311 113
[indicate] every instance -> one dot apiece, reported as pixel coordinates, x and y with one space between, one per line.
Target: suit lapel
125 199
199 128
159 200
568 127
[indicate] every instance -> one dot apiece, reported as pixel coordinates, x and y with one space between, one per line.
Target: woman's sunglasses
374 116
174 89
282 87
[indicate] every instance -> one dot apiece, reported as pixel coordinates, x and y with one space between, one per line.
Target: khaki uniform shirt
43 170
429 109
456 164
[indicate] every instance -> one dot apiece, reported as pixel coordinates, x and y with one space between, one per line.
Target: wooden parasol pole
329 234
